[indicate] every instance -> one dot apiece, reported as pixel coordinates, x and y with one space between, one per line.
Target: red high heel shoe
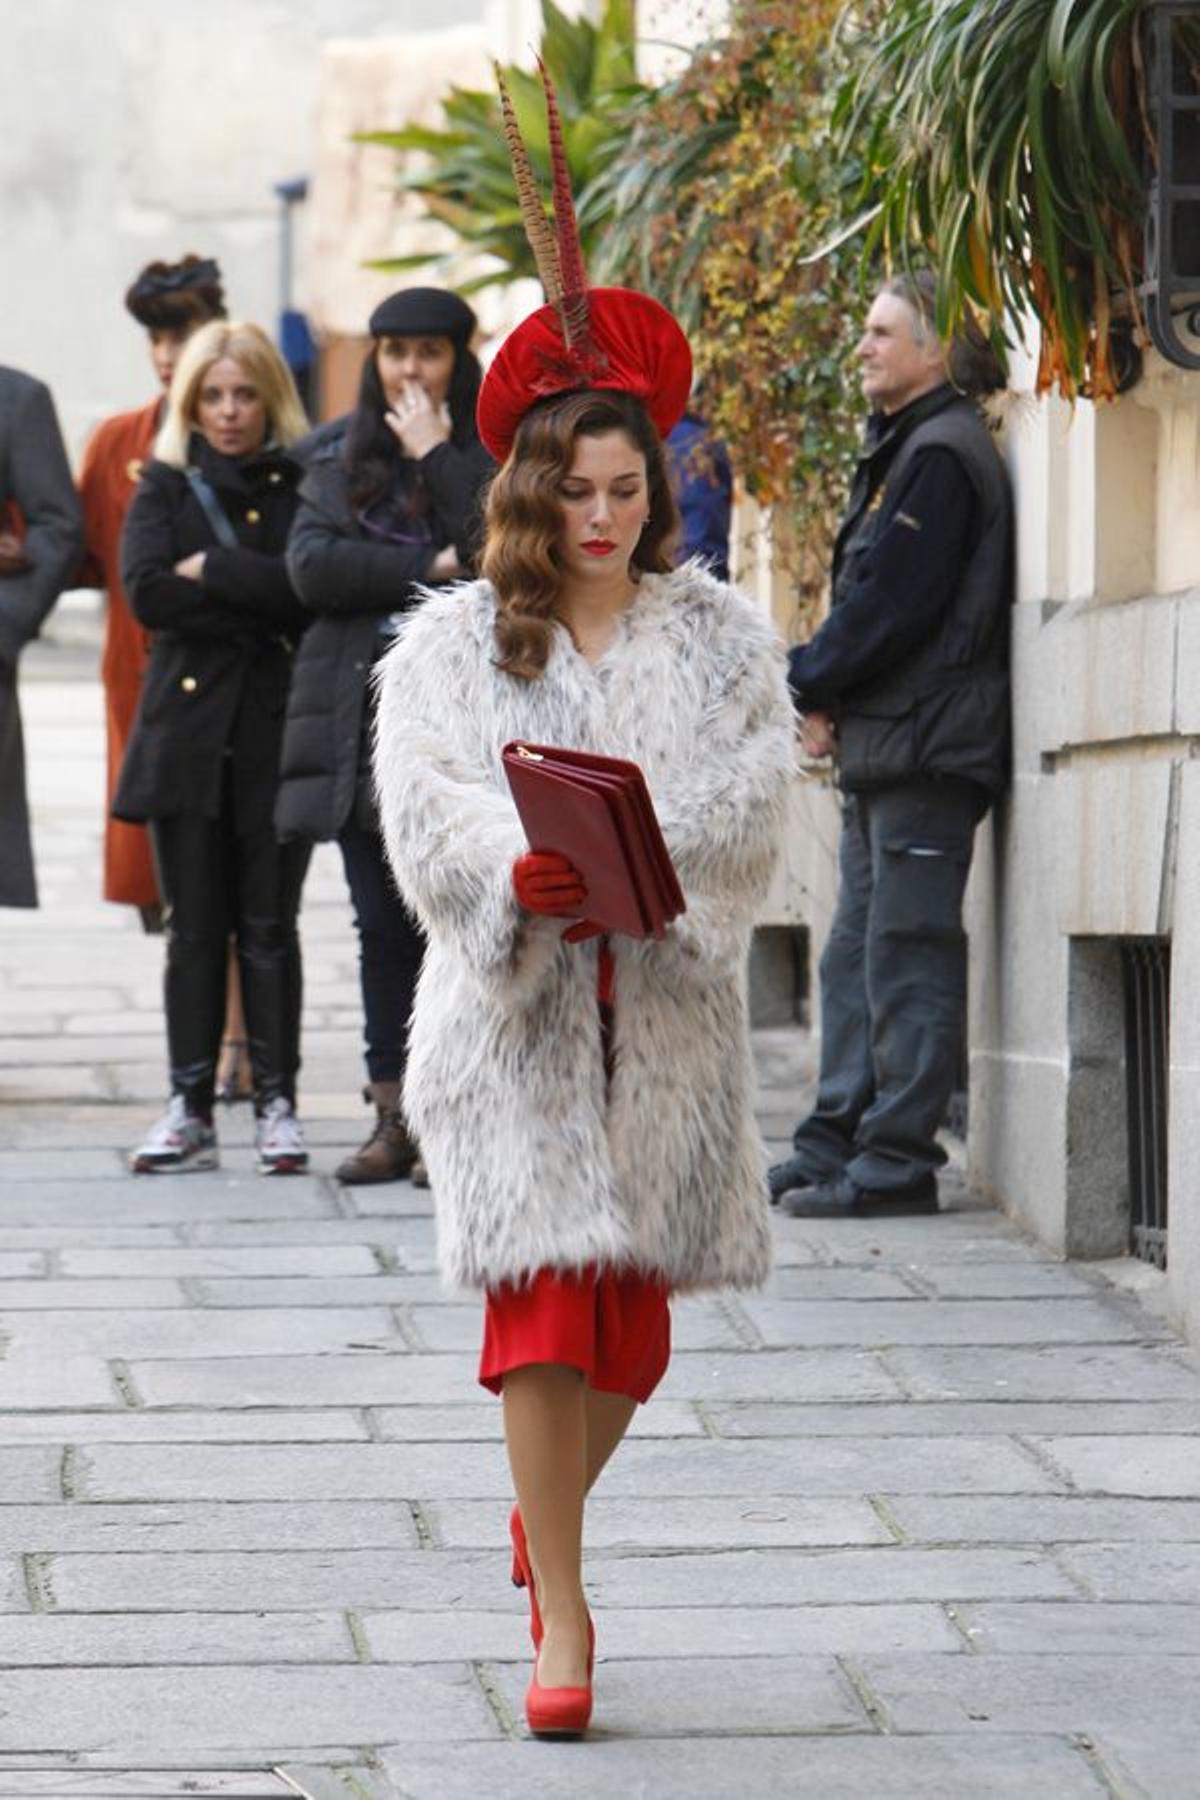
560 1712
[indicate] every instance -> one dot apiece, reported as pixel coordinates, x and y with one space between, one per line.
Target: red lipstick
598 547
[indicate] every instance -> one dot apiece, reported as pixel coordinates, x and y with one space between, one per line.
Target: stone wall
1099 839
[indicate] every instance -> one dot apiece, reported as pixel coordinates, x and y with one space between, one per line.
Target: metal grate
1146 963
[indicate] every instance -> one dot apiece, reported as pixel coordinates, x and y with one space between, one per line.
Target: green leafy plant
1004 140
463 175
724 185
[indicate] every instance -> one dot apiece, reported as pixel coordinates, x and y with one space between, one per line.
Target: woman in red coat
169 300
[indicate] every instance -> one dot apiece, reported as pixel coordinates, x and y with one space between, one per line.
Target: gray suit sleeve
39 481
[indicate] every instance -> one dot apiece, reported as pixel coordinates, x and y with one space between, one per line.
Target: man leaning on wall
906 686
41 536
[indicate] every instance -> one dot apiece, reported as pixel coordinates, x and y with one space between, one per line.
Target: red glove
546 882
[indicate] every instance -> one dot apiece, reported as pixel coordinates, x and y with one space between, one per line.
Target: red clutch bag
597 811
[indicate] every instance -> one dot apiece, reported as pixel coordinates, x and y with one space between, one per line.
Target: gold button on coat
189 684
253 516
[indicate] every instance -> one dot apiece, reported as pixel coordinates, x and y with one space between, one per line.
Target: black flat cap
424 312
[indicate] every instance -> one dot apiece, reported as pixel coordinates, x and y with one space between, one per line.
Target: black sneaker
844 1199
793 1173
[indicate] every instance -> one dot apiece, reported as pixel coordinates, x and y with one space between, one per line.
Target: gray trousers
893 986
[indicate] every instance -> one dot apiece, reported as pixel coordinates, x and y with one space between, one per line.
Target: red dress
614 1325
112 464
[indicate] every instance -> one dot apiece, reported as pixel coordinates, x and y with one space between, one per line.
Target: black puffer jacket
352 582
221 657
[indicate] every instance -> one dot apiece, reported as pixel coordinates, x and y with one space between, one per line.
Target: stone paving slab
58 1381
410 1238
158 1526
1082 1628
58 1296
283 1264
697 1631
713 1695
131 1425
1162 1765
1000 1280
853 1767
826 1577
14 1594
16 1263
1151 1466
275 1581
1148 1571
49 1641
206 1333
839 1283
377 1289
1042 1518
785 1323
370 1378
36 1236
162 1199
1073 1372
837 1374
934 1418
30 1474
142 1784
648 1522
169 1713
1000 1694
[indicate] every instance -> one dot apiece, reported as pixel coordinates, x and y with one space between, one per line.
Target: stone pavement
923 1519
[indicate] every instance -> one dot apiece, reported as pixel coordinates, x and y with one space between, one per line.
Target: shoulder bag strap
225 534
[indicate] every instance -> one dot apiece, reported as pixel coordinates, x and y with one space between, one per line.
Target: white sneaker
279 1140
178 1142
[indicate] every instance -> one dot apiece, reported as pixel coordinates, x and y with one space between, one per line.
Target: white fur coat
531 1163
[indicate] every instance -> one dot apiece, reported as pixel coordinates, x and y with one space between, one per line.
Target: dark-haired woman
391 503
609 1079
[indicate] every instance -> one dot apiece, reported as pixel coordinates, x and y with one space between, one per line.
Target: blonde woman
202 562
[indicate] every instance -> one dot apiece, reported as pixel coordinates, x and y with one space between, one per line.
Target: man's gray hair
973 366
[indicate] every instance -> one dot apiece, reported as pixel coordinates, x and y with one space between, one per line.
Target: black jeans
893 986
215 884
390 949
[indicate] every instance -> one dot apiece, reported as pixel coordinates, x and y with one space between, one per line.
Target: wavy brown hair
524 517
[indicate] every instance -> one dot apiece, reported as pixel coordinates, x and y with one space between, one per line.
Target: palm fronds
1003 141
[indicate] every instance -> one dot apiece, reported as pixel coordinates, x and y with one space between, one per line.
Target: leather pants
217 884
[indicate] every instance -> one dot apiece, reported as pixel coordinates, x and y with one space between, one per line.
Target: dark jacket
38 500
353 582
221 657
913 658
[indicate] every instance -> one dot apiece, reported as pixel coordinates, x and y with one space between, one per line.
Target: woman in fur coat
579 1189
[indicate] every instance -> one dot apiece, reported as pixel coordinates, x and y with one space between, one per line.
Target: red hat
635 346
584 338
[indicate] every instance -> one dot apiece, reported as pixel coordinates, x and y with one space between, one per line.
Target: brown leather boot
390 1151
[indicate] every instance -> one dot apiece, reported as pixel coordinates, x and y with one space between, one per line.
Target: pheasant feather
573 307
538 229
